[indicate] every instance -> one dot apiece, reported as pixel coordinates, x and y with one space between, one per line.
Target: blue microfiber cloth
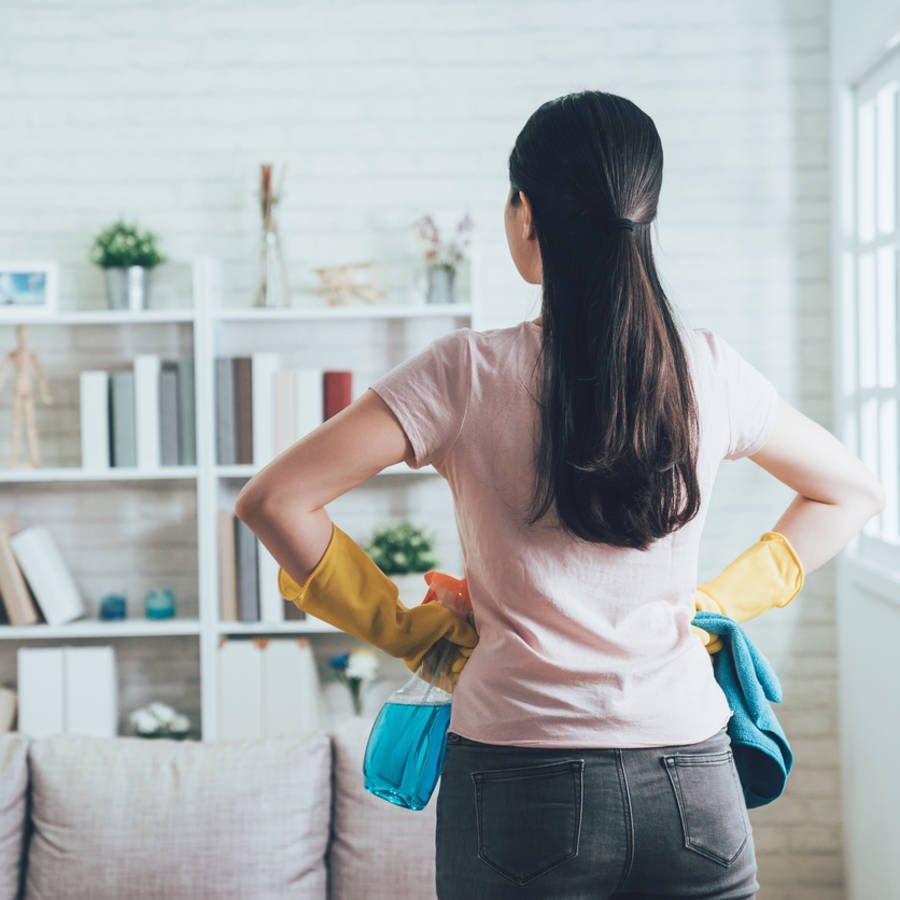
761 750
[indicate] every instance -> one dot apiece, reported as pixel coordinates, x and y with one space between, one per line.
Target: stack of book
67 690
29 558
248 576
253 701
263 407
142 416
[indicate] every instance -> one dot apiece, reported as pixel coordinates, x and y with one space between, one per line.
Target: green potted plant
126 254
404 553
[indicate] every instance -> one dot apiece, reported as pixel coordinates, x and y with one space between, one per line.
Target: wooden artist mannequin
23 361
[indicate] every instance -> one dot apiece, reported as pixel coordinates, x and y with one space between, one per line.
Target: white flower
144 722
163 713
362 664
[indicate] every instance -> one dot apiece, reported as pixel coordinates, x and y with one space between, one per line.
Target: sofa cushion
13 794
379 851
137 818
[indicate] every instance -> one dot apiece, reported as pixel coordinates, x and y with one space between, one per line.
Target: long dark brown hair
618 436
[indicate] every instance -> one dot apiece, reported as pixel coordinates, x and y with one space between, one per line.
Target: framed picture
28 289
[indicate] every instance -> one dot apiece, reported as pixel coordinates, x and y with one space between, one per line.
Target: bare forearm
819 531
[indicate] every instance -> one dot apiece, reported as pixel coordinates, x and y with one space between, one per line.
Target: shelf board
76 473
295 626
248 471
374 311
95 628
105 317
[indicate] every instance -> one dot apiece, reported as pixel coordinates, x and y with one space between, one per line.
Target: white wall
163 111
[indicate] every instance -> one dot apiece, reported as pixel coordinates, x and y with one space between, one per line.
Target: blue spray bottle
405 751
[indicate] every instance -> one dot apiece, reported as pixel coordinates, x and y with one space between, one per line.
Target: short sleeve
749 398
429 395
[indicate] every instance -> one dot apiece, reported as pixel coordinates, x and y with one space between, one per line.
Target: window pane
887 130
867 321
888 473
868 435
865 170
887 327
848 325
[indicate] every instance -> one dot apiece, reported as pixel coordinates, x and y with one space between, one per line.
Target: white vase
412 587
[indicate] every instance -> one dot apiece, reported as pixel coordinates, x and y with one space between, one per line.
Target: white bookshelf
214 330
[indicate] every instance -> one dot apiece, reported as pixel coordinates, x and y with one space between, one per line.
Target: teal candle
160 603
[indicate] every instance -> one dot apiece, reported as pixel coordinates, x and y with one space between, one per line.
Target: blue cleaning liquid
405 752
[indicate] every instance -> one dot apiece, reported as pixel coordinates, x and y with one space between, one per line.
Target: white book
271 604
240 689
47 575
295 711
90 691
94 391
283 405
146 409
264 366
41 677
309 399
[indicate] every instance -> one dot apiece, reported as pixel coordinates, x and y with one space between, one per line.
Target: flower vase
273 285
441 280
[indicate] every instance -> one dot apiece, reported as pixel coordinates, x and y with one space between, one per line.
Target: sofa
126 817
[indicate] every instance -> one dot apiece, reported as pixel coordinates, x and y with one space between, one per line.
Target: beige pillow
130 817
13 792
379 851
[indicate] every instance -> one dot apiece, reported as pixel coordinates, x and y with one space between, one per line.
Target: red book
338 391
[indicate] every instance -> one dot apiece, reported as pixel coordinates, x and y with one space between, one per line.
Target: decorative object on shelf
404 553
355 669
340 285
126 254
159 720
273 281
28 288
160 603
8 698
112 606
442 258
23 361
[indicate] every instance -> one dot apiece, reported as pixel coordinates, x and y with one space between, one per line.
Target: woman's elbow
250 505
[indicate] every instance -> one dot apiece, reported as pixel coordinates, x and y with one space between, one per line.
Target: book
226 445
284 429
123 435
94 424
263 368
240 689
89 691
309 399
271 603
297 711
243 408
246 544
228 605
187 416
146 406
168 415
47 575
17 601
338 388
41 675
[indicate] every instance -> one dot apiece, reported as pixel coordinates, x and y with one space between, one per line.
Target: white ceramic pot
412 587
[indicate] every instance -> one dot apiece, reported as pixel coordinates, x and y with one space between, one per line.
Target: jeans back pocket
528 818
711 803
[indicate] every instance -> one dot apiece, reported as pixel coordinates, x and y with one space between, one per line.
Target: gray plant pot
440 284
128 288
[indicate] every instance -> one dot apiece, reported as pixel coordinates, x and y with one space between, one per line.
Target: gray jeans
573 823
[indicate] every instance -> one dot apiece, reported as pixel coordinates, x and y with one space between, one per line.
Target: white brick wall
162 111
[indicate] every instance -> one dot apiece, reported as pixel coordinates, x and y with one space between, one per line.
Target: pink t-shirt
580 644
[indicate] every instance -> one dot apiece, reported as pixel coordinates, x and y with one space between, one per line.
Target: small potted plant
159 720
404 553
443 257
126 254
354 669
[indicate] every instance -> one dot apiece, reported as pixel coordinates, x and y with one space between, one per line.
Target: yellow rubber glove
768 573
348 590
